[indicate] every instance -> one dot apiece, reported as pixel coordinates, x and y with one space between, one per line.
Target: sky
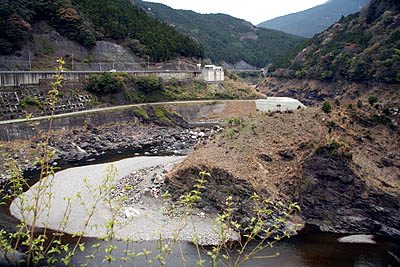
255 11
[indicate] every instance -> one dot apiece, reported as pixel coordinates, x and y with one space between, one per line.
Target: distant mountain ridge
309 22
225 38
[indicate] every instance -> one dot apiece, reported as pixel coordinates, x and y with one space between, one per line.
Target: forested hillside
86 21
361 47
309 22
225 38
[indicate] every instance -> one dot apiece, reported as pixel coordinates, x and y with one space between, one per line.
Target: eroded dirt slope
343 168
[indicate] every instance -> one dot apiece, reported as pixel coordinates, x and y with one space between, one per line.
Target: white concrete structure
212 73
278 104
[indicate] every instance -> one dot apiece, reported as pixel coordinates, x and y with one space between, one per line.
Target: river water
309 248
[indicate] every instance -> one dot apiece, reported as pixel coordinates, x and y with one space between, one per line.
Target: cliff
341 167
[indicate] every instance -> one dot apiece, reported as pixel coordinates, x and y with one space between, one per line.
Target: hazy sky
255 11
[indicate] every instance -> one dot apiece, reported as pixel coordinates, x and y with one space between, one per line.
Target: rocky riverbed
150 140
131 199
140 194
90 143
146 182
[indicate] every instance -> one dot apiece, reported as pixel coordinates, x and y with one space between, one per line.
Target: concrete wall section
213 75
278 104
215 110
23 78
171 75
25 130
18 78
192 112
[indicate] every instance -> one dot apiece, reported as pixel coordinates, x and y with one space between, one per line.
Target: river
309 248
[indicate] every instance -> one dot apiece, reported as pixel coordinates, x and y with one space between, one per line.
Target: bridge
18 78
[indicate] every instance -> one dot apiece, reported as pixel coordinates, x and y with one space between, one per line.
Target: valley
173 138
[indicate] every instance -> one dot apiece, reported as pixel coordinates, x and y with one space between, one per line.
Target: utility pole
72 62
29 58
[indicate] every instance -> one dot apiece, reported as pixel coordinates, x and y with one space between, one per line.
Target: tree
372 100
104 84
326 107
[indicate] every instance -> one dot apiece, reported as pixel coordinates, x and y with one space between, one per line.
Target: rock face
343 172
111 55
11 258
331 195
312 92
219 186
222 184
335 198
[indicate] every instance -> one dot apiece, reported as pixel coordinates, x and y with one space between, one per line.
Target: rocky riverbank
91 143
148 140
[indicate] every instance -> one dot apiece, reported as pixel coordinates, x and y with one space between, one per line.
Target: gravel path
142 215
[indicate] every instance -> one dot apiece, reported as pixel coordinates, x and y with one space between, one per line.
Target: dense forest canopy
361 47
226 38
86 21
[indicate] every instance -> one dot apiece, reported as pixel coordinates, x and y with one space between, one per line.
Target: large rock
221 185
335 198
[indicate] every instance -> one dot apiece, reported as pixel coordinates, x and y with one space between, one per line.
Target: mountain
225 38
88 21
315 20
361 47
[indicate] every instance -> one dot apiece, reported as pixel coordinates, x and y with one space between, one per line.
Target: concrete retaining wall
72 99
214 111
192 112
27 130
18 78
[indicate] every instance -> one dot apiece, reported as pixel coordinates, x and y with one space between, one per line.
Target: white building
212 73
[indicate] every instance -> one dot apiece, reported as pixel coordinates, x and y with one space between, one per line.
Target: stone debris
146 182
140 196
91 143
147 140
131 213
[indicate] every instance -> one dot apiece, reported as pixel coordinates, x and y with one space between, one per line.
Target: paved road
266 105
117 108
